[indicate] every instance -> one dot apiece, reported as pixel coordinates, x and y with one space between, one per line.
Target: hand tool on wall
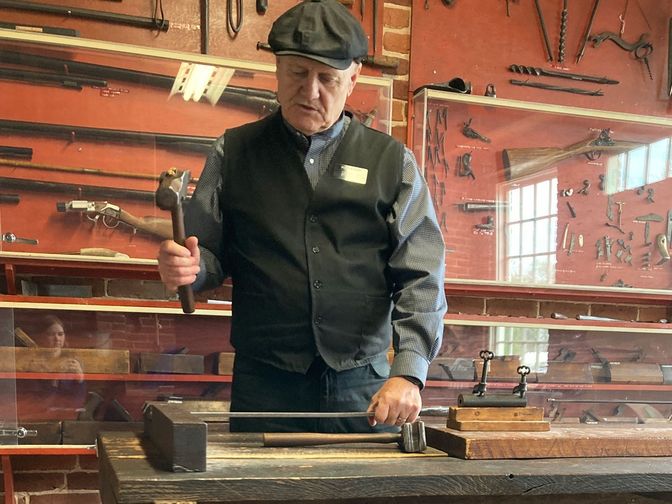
374 32
551 87
411 439
169 196
589 28
621 18
110 17
542 24
11 199
232 26
542 72
641 49
470 132
67 32
12 238
563 32
7 151
205 26
261 7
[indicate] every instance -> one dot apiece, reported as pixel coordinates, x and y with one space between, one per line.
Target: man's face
312 95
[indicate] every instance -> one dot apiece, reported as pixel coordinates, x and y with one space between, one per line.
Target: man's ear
355 69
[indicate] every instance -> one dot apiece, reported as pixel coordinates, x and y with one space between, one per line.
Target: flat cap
322 30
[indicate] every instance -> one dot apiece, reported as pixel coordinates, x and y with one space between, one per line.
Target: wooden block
509 426
567 372
179 436
560 441
149 362
452 368
48 433
85 431
503 368
61 360
22 339
225 363
495 414
600 372
635 372
667 373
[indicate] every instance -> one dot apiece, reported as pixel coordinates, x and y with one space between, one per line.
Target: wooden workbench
131 473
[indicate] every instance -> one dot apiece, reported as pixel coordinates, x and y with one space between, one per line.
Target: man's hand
179 265
398 401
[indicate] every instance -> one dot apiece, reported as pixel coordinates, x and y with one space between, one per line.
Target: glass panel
592 173
578 374
8 418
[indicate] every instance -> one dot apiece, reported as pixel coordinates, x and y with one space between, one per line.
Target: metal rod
586 36
608 401
547 43
433 411
549 87
68 81
79 190
137 21
542 72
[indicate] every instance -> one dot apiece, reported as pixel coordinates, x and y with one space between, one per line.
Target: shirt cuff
410 364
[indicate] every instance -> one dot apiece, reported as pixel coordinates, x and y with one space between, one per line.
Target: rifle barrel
77 190
167 140
111 17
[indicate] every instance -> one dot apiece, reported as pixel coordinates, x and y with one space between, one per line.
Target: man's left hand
398 401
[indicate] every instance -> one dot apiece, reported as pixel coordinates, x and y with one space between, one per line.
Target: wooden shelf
131 377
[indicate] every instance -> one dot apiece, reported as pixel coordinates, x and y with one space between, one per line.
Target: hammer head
172 189
413 438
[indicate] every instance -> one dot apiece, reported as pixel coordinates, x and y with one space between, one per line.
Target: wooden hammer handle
185 292
317 438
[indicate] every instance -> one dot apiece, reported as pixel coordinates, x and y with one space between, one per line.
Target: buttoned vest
309 267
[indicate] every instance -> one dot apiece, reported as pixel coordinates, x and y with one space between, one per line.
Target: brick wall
63 479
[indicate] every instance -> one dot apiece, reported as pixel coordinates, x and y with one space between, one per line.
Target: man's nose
311 88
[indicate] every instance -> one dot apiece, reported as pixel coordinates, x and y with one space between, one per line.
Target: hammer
169 196
411 439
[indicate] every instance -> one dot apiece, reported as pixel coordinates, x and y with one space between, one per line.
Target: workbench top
131 473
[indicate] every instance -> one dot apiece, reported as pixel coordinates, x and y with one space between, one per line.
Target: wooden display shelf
635 387
131 377
47 449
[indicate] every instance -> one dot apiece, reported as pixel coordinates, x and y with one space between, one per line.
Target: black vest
309 268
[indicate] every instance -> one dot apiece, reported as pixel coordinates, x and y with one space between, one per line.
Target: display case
88 127
579 371
70 370
547 196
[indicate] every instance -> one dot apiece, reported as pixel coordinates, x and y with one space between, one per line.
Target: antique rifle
111 215
80 190
526 161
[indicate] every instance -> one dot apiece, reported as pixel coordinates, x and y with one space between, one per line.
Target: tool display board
478 42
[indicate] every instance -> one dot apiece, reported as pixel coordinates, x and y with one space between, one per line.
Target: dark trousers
261 387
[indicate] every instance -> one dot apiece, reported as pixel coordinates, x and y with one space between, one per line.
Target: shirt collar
330 133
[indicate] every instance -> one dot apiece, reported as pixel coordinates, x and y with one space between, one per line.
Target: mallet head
413 438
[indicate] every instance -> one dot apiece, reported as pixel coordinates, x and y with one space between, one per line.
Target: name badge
350 173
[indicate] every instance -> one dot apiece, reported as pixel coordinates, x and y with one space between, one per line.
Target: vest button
317 284
316 249
312 218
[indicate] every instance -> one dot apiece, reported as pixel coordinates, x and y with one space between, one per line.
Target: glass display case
88 127
578 371
70 370
544 195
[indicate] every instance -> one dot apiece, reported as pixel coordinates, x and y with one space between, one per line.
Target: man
327 230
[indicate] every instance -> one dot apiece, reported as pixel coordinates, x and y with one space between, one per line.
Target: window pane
553 234
514 205
514 240
513 273
541 269
527 238
528 202
541 239
527 270
636 171
543 194
658 160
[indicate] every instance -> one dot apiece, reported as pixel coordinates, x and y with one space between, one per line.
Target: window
530 231
635 169
530 343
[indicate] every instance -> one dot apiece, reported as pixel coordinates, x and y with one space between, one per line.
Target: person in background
329 235
50 333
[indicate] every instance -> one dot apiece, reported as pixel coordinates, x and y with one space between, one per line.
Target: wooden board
567 372
149 362
225 363
495 414
62 360
635 372
565 441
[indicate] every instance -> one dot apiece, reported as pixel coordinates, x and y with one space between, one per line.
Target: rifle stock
110 215
527 161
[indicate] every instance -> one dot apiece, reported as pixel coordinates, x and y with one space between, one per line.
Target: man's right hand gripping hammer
177 263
